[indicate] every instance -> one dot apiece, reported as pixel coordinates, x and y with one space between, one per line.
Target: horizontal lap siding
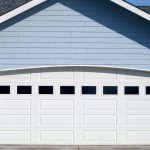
75 33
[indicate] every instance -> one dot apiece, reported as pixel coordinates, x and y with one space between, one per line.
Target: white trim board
20 10
74 66
132 9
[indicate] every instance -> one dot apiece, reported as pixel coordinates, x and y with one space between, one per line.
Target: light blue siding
79 32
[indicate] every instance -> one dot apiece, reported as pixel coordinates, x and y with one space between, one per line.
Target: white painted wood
75 119
99 120
15 105
56 135
99 136
99 75
138 136
57 75
14 136
139 105
56 120
100 105
15 120
138 119
56 105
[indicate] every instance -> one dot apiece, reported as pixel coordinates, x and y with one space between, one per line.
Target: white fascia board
20 10
132 9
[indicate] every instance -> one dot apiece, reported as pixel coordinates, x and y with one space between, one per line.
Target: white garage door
75 106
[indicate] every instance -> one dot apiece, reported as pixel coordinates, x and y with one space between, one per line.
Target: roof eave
132 9
34 3
20 10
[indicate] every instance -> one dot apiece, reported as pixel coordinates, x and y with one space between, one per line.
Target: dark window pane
24 90
88 89
45 89
110 90
4 89
148 90
67 90
132 90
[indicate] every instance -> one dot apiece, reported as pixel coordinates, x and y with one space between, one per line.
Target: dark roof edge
132 8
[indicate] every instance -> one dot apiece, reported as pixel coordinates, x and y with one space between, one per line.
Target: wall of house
79 32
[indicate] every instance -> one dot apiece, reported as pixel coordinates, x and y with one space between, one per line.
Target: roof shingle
9 5
145 8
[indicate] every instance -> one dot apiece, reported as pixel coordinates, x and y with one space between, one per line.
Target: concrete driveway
10 147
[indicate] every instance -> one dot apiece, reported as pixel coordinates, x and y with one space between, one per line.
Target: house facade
74 72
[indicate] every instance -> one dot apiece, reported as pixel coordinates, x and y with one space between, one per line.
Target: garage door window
131 90
24 90
110 90
88 89
67 90
148 90
45 89
4 89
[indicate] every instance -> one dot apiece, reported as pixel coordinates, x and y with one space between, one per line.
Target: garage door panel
99 120
56 135
15 120
138 119
99 112
51 105
99 75
99 105
99 136
15 105
16 77
141 105
56 120
15 136
138 136
57 75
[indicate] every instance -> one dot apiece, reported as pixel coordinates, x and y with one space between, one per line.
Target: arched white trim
74 66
